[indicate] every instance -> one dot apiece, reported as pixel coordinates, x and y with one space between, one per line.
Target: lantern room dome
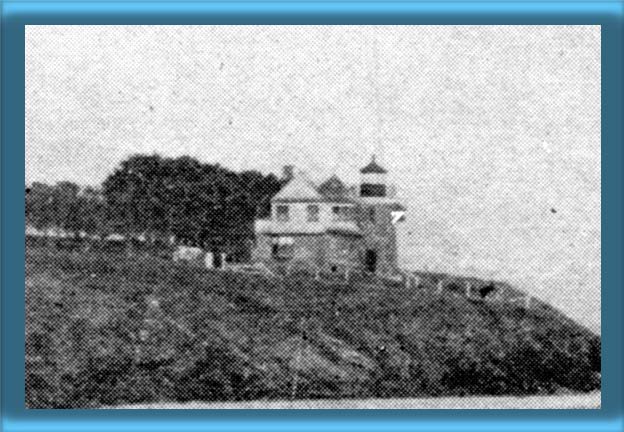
373 168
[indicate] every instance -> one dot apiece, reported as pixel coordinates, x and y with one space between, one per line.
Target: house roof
298 189
334 190
373 168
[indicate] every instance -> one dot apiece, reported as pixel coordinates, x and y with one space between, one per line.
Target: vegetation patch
103 329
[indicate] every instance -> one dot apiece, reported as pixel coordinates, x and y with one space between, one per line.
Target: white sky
484 129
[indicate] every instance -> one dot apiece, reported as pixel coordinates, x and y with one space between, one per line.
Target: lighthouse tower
378 213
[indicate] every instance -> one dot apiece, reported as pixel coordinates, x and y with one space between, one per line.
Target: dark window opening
372 190
282 213
313 213
283 252
371 214
342 213
370 261
217 261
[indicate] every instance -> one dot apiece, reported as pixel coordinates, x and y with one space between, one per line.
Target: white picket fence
344 272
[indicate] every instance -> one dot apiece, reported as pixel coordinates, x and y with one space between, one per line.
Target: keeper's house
332 225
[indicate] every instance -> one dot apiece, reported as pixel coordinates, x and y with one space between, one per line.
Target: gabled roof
334 190
298 189
373 168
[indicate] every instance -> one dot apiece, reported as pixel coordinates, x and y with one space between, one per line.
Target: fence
342 273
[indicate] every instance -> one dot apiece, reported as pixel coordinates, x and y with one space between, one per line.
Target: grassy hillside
103 329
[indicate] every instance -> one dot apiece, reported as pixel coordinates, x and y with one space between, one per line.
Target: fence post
298 355
440 286
500 294
468 289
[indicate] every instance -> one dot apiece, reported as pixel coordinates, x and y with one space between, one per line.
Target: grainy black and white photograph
310 217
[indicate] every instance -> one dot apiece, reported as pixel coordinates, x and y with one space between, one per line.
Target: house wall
262 250
298 212
379 235
344 249
310 248
323 248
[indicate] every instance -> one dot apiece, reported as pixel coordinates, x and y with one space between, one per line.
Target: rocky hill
103 329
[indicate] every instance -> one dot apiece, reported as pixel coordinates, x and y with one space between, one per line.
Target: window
372 190
342 213
313 213
283 248
371 214
281 212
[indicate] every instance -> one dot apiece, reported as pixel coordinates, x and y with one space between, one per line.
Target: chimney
288 173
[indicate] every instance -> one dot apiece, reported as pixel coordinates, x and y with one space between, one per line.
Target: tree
200 204
39 209
53 207
154 198
66 207
92 212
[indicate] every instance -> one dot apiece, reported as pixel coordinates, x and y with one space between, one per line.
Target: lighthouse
332 224
379 212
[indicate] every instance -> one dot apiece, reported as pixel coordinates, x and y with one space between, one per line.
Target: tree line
155 199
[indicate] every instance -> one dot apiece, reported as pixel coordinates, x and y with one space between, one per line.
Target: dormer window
282 213
313 213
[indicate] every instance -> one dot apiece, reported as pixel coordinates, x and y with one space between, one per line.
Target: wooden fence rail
344 273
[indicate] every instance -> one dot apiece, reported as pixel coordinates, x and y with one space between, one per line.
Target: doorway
217 260
370 260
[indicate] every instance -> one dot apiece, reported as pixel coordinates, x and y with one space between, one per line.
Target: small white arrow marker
397 216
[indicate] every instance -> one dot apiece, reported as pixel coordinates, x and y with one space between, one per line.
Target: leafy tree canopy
154 197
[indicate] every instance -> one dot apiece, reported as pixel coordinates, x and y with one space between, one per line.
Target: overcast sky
491 134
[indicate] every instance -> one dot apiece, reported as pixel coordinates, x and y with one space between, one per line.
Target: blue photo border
17 14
